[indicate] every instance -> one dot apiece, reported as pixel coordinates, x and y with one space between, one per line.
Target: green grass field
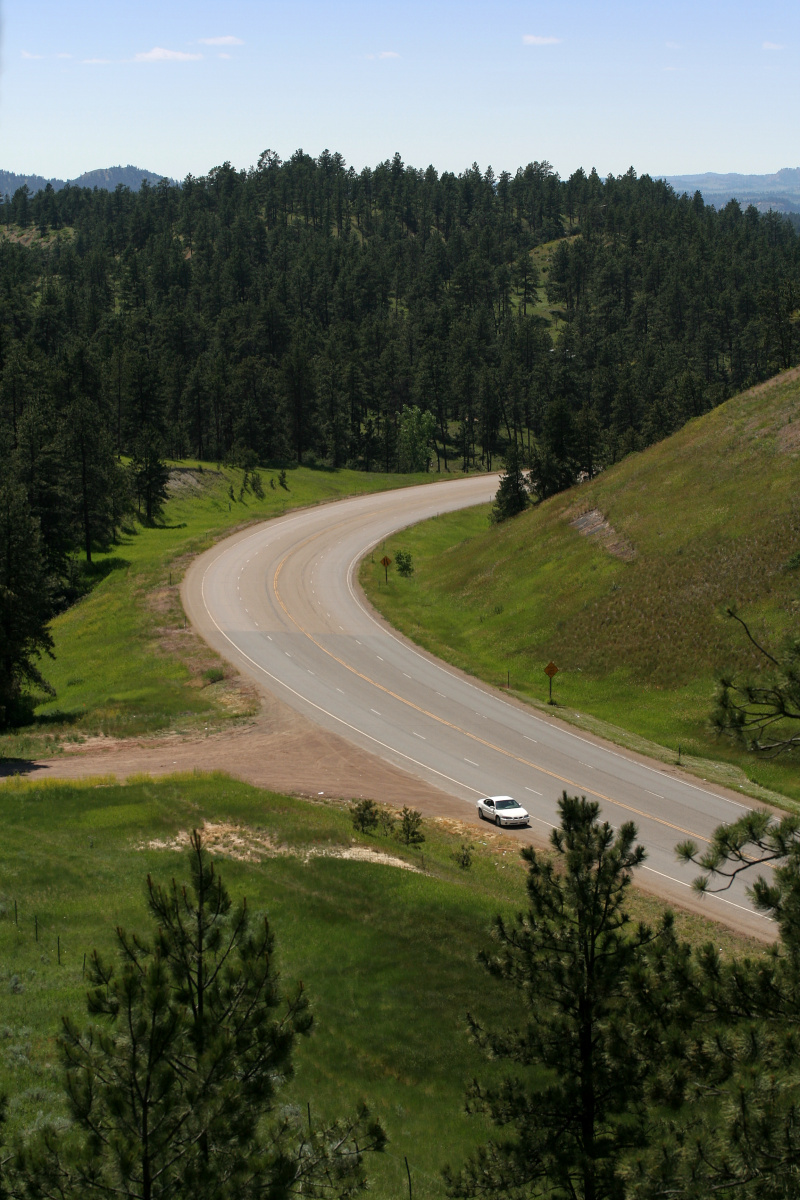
388 956
713 515
124 665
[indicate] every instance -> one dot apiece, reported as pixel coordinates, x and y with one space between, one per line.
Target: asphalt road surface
281 602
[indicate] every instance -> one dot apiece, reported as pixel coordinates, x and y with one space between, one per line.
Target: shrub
463 856
214 675
387 822
405 565
410 831
365 816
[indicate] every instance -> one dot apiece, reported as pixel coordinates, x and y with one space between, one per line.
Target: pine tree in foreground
172 1090
574 1107
737 1130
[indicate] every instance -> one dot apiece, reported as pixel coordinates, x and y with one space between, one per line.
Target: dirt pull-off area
278 750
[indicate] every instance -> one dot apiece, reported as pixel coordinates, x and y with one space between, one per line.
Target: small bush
365 816
463 856
282 480
405 565
256 485
410 831
387 822
214 675
792 563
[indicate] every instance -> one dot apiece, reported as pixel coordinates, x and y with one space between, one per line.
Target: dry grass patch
244 843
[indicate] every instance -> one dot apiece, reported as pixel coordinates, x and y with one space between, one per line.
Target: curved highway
280 601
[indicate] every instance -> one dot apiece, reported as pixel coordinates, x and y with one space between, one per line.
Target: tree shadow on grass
95 572
28 722
23 719
58 717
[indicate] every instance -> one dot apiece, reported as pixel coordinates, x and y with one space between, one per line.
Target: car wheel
497 821
480 815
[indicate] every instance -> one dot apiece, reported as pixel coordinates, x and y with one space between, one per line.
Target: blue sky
177 87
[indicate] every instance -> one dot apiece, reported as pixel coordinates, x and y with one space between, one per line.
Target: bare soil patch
593 524
246 844
789 438
187 480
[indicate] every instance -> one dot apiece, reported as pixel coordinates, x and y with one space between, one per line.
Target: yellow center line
449 724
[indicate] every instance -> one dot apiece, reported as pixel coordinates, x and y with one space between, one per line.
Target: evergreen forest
388 319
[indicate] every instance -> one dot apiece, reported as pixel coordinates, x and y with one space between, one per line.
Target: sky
176 86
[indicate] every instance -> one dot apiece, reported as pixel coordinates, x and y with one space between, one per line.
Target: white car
503 810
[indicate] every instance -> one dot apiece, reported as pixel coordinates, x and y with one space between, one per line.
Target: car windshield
506 804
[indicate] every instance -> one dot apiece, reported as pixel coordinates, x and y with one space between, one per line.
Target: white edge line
708 895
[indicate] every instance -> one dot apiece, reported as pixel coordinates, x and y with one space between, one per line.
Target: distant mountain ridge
108 177
779 191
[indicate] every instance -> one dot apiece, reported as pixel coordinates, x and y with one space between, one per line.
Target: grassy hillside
124 663
634 614
388 955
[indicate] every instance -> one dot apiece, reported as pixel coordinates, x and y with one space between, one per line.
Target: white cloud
25 54
388 54
772 46
224 56
227 40
96 61
159 54
535 39
63 55
673 45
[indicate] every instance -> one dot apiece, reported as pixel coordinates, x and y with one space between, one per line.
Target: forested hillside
303 312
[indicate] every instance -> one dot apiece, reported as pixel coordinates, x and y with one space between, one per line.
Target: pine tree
172 1090
95 481
150 476
25 601
575 1110
731 1127
512 497
765 715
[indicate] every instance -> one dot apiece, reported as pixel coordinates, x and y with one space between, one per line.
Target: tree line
641 1067
386 319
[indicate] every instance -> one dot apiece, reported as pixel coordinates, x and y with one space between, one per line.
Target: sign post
550 670
386 562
